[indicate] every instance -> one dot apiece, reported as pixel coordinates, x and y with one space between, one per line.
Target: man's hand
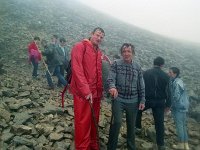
89 97
167 110
141 106
113 92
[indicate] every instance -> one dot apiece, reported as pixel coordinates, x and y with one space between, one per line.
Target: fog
178 19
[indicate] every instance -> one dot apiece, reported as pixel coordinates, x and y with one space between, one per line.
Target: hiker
126 86
156 83
34 55
86 87
178 94
62 57
54 40
49 50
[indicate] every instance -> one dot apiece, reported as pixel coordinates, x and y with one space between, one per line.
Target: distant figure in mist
179 108
34 55
126 86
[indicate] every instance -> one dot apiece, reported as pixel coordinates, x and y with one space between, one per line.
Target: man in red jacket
86 87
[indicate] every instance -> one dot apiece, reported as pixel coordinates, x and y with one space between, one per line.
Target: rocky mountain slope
31 116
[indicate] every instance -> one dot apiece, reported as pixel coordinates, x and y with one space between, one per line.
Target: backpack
69 77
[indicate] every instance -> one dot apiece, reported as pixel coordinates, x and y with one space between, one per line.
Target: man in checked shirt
126 85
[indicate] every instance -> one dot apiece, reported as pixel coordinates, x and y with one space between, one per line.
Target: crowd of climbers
132 90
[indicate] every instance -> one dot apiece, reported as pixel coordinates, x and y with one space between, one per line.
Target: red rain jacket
86 70
33 51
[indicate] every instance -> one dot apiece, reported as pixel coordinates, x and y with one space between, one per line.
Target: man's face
97 37
127 54
54 40
37 42
63 44
171 73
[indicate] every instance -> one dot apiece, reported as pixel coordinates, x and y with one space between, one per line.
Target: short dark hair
55 36
175 70
159 61
126 45
98 28
62 40
36 38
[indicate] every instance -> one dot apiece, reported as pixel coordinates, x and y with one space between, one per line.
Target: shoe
51 88
35 77
186 146
59 85
161 147
179 146
138 131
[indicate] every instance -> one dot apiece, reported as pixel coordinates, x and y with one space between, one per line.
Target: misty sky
173 18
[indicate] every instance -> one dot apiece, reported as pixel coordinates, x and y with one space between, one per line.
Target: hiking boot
179 146
161 147
51 88
138 131
35 78
186 146
60 86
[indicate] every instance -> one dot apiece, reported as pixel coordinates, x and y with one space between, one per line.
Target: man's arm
111 80
78 71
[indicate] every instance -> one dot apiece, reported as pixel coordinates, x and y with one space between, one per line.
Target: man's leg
49 77
180 123
82 121
60 76
35 67
131 112
116 120
158 114
62 72
138 123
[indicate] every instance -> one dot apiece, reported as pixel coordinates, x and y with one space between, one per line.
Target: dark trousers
62 72
58 72
158 115
118 108
35 67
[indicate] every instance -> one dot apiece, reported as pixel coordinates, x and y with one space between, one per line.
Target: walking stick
95 122
45 65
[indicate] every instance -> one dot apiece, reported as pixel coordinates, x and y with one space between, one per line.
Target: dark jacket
60 57
156 86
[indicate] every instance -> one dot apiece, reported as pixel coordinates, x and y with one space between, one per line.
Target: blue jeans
35 67
181 125
118 109
59 75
